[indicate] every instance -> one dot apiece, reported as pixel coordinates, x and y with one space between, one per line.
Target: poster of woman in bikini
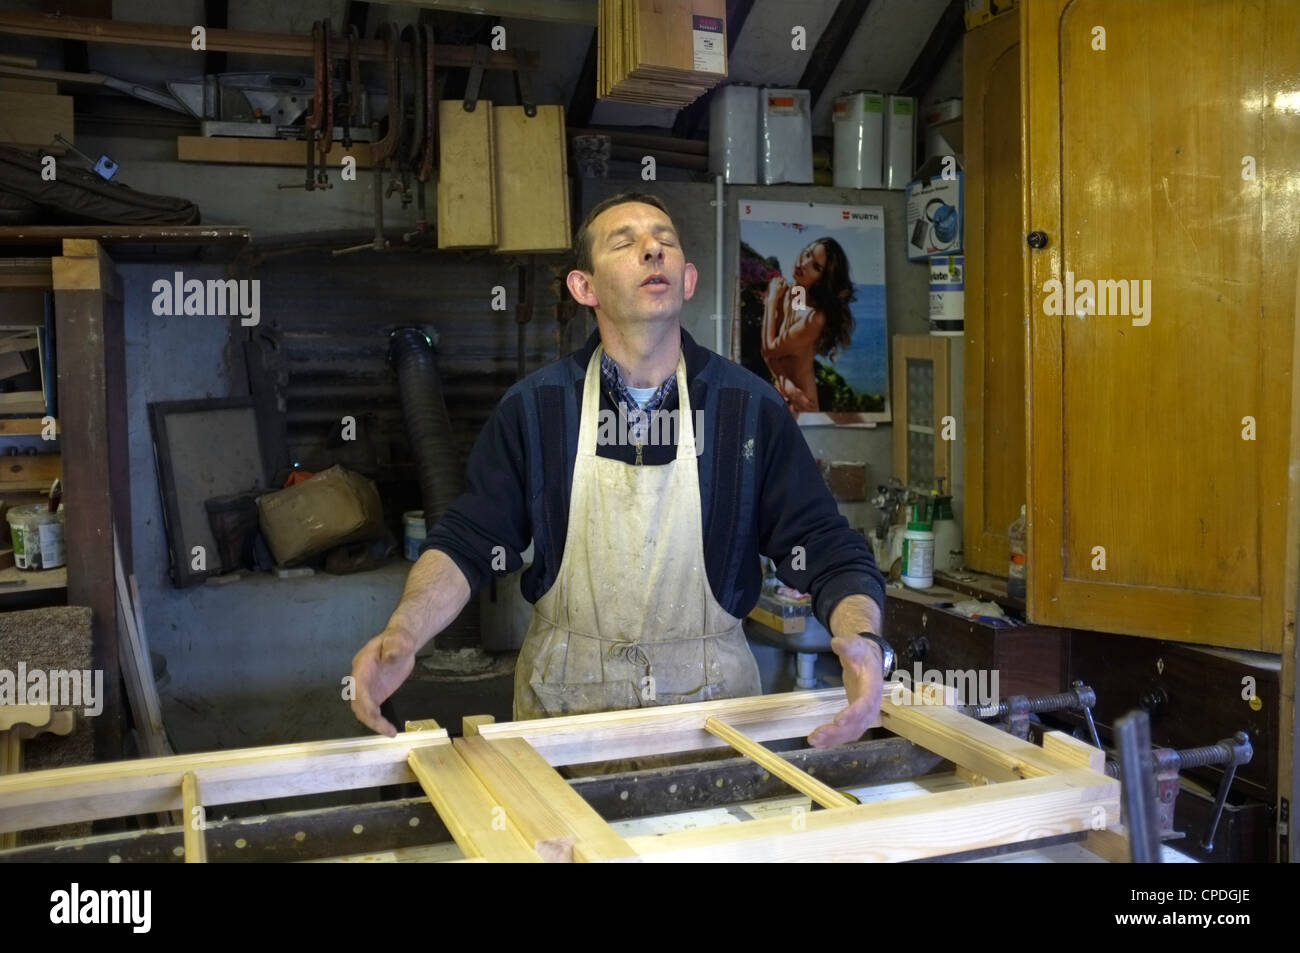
811 308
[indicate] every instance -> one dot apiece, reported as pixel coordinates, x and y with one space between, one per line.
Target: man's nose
653 250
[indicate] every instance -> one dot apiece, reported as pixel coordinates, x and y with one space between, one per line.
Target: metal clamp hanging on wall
524 84
475 82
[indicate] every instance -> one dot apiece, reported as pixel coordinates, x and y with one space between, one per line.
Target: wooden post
92 412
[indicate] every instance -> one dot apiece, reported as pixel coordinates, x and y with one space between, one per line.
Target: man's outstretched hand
863 684
377 671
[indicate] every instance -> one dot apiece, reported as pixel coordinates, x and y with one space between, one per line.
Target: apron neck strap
589 421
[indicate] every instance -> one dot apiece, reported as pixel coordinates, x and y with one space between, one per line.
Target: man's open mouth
655 280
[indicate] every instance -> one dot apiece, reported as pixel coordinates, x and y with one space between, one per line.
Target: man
646 552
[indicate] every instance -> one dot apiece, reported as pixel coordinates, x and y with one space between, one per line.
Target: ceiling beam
945 36
831 45
580 12
691 118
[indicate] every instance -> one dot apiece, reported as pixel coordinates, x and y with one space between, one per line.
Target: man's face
639 273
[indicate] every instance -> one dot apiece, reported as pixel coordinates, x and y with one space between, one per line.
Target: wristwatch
886 652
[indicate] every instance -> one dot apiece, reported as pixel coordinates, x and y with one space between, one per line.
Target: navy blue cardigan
760 489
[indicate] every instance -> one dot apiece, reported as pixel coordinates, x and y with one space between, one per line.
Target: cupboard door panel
1150 513
995 316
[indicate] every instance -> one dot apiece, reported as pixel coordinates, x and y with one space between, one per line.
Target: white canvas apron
631 620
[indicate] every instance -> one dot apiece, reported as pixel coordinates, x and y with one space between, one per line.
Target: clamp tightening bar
1017 709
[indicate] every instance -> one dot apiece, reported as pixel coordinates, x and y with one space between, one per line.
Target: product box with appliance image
934 211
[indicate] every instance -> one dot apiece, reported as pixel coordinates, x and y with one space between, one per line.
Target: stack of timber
660 52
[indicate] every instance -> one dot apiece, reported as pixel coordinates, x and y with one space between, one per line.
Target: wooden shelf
25 426
982 586
21 473
125 234
248 151
14 581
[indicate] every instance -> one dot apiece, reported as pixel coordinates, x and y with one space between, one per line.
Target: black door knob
1037 239
1154 700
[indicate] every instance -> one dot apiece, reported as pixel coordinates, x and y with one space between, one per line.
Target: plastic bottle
947 534
1016 568
918 551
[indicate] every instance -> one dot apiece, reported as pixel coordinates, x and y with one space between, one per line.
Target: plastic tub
38 536
415 533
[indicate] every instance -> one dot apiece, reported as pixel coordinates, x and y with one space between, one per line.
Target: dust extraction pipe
428 426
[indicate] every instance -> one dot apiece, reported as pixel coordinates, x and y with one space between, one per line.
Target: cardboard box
935 212
334 507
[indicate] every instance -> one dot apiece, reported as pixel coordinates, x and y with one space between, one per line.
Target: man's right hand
377 671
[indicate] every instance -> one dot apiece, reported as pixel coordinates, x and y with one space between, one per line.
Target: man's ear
689 277
579 283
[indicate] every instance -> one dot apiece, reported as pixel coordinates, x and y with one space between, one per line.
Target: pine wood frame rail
498 792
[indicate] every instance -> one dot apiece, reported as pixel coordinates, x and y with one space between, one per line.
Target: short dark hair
582 258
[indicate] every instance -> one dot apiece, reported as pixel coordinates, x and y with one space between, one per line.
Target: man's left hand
863 684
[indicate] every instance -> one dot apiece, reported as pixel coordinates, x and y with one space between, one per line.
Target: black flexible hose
428 426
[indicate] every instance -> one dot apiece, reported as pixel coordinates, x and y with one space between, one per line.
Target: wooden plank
44 80
23 402
1288 766
475 820
550 814
122 788
1073 752
1112 842
196 842
137 666
908 829
11 762
41 87
36 716
247 151
800 780
96 473
963 740
541 826
467 216
470 724
29 473
579 12
119 234
14 580
33 119
784 623
604 736
532 180
299 45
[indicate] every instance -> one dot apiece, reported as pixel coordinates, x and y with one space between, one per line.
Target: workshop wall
257 661
906 296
